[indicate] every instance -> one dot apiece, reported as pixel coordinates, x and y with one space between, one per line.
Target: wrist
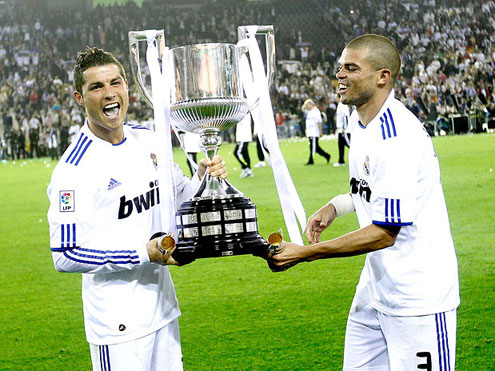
343 204
319 250
154 254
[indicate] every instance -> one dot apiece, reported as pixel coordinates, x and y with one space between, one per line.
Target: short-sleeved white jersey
342 117
313 121
395 180
104 207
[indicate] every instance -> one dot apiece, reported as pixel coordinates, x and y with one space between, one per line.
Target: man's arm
361 241
78 242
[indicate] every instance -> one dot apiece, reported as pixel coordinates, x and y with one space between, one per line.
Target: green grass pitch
236 313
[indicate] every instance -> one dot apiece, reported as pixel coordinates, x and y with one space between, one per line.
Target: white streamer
256 87
161 111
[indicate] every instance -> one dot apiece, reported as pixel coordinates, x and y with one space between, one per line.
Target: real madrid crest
366 166
155 161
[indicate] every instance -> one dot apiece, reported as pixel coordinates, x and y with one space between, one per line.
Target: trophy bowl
199 115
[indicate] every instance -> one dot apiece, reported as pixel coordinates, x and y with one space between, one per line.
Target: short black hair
92 57
382 53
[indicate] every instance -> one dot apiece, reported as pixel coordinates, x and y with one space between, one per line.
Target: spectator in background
52 142
444 48
260 147
322 107
314 130
3 148
343 137
20 144
11 139
64 138
259 152
243 136
74 131
34 134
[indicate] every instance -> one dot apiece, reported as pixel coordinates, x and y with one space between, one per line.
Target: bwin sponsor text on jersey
139 203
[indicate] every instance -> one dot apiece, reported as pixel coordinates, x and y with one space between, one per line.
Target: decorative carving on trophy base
217 226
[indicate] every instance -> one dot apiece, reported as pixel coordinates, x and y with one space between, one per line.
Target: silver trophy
206 97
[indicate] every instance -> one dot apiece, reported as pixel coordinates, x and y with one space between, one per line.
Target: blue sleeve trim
111 260
388 223
61 249
79 255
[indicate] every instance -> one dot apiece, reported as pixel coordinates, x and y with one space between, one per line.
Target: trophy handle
267 31
134 38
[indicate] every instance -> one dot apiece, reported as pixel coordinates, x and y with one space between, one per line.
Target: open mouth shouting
112 110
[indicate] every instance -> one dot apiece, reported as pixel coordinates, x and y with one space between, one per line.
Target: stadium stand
447 47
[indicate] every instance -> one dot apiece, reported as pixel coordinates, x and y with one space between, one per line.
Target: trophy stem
210 141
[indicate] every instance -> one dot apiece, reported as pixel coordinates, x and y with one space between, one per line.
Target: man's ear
384 77
79 98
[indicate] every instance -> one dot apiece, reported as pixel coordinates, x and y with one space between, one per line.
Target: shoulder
136 127
403 112
139 135
79 149
138 131
79 155
397 122
400 135
68 176
314 113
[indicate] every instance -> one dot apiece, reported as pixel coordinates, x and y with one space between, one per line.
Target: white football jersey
104 207
313 121
342 117
243 130
395 180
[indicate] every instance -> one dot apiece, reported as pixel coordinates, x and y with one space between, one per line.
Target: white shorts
376 341
157 351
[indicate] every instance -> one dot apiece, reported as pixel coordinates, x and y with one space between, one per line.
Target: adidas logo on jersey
113 184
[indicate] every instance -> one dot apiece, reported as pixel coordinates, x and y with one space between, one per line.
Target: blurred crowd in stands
448 54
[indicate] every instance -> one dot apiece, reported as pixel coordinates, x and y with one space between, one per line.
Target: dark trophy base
217 226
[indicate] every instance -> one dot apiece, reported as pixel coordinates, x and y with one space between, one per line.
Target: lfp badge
67 203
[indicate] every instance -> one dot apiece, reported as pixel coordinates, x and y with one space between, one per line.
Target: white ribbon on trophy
161 110
255 85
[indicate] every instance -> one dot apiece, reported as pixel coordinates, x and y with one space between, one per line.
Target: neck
368 111
113 136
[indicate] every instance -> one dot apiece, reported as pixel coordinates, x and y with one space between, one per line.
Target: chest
362 154
127 182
